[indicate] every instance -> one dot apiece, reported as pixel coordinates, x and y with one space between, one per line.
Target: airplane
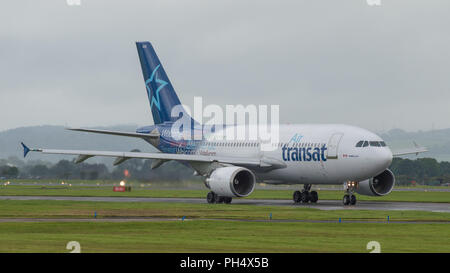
308 154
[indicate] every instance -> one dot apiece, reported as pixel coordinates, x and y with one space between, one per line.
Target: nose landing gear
350 198
305 195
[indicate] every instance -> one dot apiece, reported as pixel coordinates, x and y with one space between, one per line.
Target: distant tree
39 171
91 171
422 170
93 175
427 167
444 168
9 171
63 169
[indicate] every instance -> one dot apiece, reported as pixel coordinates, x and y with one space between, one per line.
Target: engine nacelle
231 182
379 185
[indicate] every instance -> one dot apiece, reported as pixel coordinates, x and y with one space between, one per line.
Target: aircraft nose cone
380 159
384 158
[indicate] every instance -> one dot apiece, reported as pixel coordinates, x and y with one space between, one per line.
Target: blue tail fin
161 95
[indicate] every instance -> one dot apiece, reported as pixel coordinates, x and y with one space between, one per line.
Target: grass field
58 190
213 228
220 236
212 235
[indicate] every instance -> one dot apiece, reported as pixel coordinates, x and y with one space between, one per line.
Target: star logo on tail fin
155 97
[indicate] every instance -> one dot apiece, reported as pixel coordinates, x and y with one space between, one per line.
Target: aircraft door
333 144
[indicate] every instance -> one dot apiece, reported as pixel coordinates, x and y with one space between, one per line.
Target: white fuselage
313 154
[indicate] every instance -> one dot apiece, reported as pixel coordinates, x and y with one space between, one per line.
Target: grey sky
322 61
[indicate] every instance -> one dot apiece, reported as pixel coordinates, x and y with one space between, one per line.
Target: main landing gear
350 198
305 195
213 198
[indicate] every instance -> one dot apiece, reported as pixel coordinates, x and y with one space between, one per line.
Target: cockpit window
375 144
365 143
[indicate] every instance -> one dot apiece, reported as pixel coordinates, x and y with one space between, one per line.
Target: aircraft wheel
314 197
346 200
211 198
352 200
305 197
227 200
297 196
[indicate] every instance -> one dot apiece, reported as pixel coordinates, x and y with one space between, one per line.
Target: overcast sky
322 61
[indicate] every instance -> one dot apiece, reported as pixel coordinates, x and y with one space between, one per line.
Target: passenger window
366 143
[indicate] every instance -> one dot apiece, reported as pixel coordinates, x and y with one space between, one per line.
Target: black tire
297 196
314 197
305 197
352 200
211 198
346 200
227 200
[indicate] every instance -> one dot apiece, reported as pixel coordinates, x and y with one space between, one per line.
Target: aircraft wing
83 155
416 150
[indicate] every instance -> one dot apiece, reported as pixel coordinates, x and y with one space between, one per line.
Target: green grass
214 235
220 236
58 190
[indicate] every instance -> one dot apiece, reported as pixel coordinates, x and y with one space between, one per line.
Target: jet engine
231 182
379 185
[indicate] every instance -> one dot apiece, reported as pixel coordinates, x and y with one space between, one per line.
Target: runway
322 204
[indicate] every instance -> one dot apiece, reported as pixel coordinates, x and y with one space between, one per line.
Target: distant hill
438 142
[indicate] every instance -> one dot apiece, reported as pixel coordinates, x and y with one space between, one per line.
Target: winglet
26 150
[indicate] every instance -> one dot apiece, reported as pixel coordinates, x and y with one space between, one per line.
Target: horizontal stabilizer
116 133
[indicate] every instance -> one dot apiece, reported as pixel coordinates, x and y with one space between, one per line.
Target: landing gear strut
350 198
305 195
213 198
